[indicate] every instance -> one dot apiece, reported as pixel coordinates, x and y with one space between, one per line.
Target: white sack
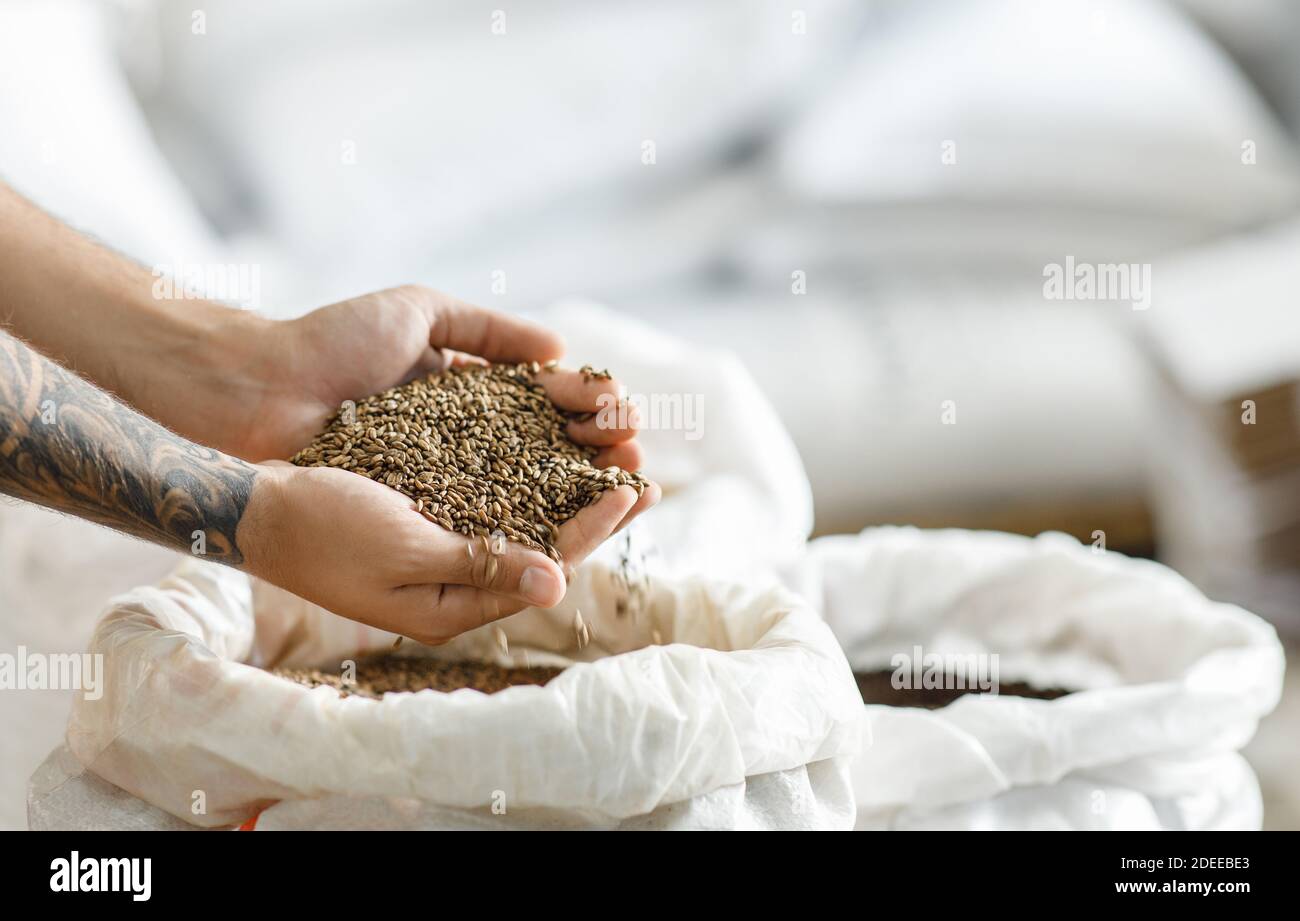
1170 684
736 499
752 684
62 795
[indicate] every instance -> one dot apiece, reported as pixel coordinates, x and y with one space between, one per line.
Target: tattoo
69 446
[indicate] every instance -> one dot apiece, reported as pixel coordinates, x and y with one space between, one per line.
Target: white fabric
63 795
1112 105
1169 684
740 501
450 125
753 683
75 141
860 375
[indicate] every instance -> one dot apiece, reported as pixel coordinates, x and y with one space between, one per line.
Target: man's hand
295 374
300 371
361 550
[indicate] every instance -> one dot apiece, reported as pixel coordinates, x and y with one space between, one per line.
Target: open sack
1168 684
748 718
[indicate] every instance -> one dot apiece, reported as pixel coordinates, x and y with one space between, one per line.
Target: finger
648 499
585 531
444 611
614 418
488 334
628 456
431 360
499 566
434 614
576 393
603 429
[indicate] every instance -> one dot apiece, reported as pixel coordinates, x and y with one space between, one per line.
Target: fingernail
539 585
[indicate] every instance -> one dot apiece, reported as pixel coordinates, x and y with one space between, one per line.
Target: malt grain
378 674
481 450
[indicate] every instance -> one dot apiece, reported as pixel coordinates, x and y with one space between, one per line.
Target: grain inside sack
383 673
480 448
878 688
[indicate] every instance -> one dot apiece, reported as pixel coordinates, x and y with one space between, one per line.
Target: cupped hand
359 347
361 550
301 371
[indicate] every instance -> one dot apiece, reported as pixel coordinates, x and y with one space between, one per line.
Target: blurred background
860 199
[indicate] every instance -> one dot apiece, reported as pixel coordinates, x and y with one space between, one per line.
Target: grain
631 580
378 674
589 374
581 632
878 688
480 449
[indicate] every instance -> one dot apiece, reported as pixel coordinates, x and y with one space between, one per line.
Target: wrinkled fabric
1168 684
750 682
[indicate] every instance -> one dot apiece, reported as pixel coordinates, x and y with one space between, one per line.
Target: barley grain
378 674
480 449
580 631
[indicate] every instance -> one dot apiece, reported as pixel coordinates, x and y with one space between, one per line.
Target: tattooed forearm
70 446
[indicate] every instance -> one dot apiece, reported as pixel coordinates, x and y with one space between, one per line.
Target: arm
252 387
184 363
67 445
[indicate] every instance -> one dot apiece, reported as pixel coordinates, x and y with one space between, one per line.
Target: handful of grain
480 448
